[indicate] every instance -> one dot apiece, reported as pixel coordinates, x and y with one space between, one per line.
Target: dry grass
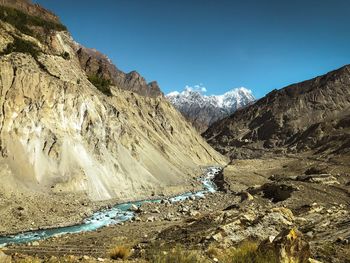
178 255
120 252
213 252
247 252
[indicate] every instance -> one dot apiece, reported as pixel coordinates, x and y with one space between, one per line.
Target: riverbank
316 205
112 214
23 210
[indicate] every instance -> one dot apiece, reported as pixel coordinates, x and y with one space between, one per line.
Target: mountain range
202 110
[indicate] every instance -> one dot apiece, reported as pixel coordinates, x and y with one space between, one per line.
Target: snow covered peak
232 99
198 107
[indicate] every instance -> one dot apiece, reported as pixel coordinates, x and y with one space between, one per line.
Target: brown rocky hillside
314 114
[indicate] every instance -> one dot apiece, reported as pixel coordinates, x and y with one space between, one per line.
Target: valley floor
259 198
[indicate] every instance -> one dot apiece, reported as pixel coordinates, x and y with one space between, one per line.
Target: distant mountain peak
203 110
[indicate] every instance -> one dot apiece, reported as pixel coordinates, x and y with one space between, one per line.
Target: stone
194 213
151 219
310 260
289 246
246 196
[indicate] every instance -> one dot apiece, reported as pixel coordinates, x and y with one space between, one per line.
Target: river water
118 213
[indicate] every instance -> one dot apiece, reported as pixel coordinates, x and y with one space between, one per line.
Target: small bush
22 46
178 255
101 84
120 252
213 252
65 55
247 252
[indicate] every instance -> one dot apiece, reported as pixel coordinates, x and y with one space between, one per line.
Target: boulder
289 246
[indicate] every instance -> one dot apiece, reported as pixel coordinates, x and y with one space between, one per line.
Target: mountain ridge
203 110
282 118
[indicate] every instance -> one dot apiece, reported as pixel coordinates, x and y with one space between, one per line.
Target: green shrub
23 21
101 84
65 55
22 46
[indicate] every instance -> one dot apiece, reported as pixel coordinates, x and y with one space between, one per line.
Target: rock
35 243
287 213
134 208
86 257
246 196
310 260
100 259
248 217
217 237
194 213
155 211
151 219
289 246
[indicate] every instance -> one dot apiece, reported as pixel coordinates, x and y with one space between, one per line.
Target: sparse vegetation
178 255
120 252
65 55
23 22
247 252
22 46
101 84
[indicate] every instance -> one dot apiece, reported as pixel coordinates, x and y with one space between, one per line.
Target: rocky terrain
64 140
311 115
78 135
202 110
262 201
95 63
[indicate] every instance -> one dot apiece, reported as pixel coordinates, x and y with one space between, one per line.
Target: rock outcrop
313 114
96 64
202 110
289 247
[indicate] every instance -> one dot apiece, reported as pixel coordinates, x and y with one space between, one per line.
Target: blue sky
223 44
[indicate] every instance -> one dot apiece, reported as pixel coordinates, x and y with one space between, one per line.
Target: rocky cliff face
313 114
96 64
59 134
202 110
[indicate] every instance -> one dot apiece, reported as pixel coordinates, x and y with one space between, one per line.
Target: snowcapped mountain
202 110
